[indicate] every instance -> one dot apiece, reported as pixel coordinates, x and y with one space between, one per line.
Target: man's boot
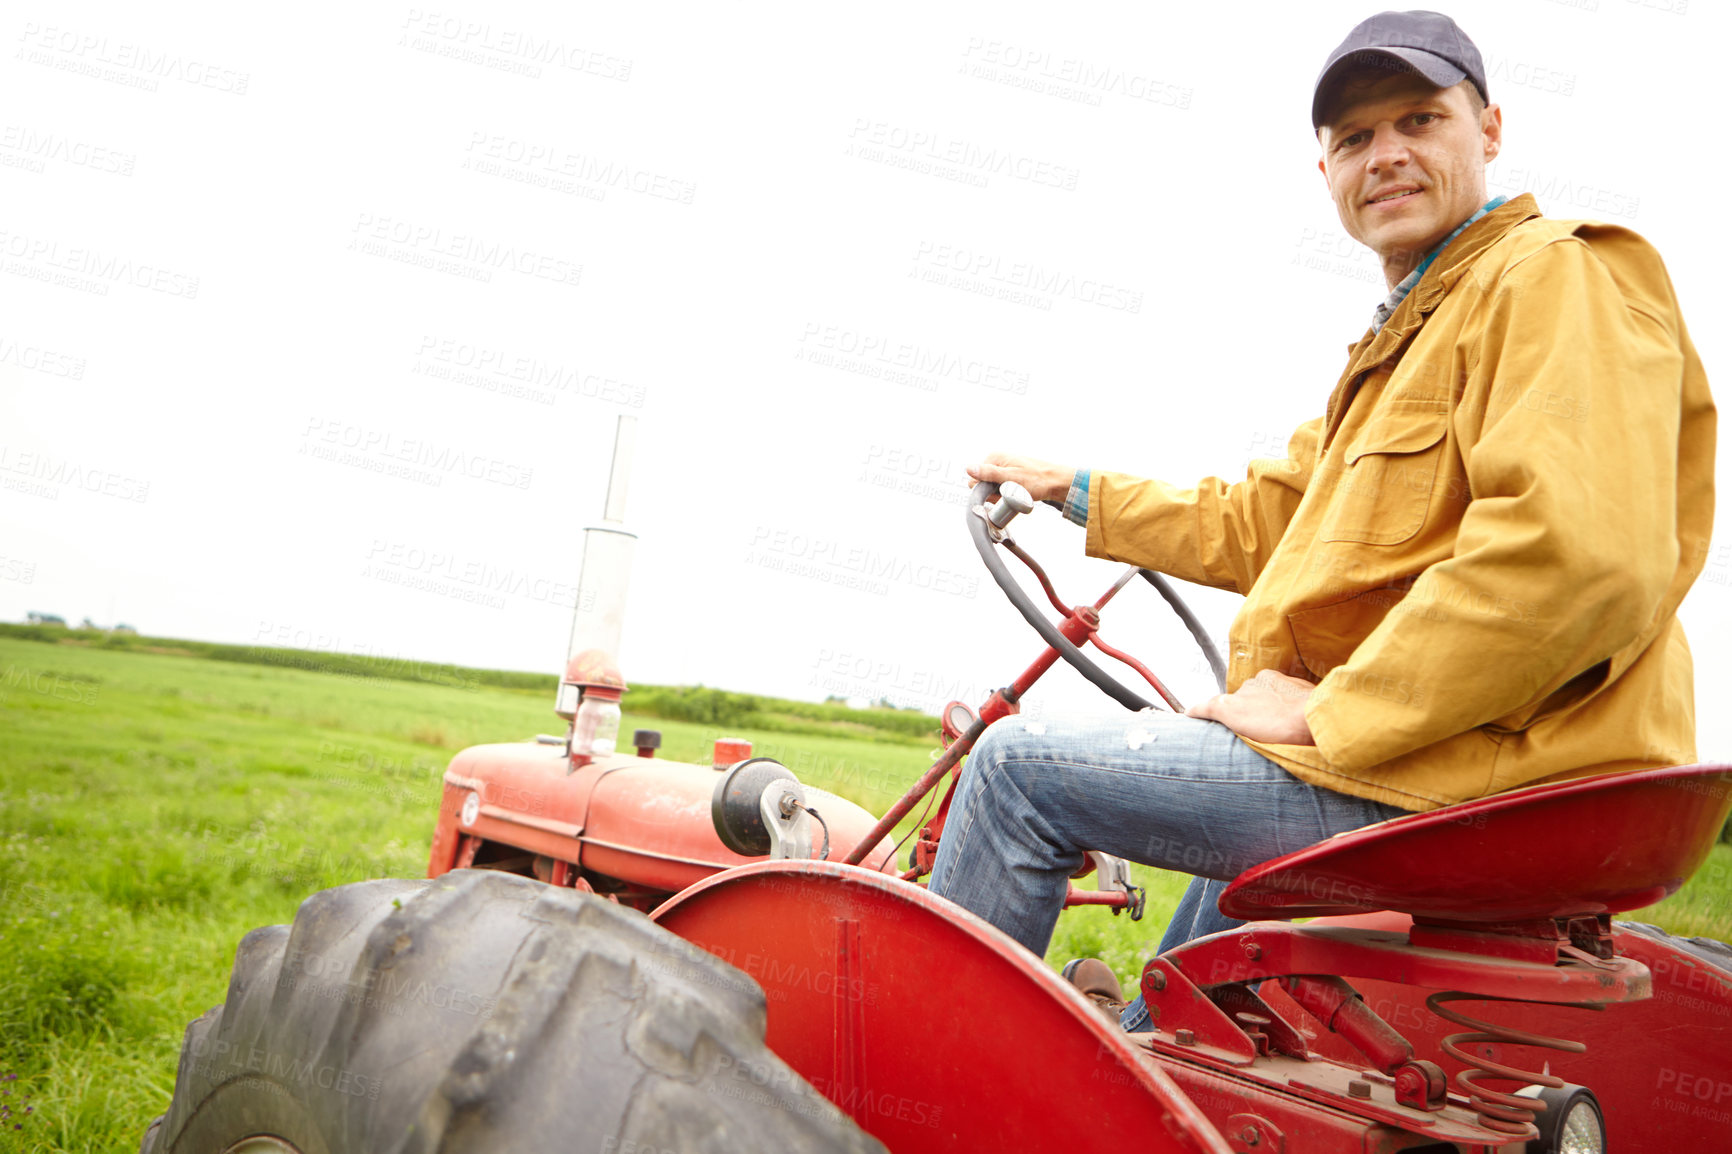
1097 980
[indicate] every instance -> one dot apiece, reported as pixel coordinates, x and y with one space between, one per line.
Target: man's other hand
1269 707
1044 480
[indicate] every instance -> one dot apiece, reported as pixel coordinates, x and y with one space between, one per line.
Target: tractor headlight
1571 1122
1582 1132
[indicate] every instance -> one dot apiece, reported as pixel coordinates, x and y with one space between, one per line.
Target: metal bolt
1358 1089
1156 979
1187 1038
1253 950
1250 1136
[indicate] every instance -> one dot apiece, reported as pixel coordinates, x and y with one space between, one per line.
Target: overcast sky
317 320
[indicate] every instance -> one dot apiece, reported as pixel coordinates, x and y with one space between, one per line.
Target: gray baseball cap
1428 43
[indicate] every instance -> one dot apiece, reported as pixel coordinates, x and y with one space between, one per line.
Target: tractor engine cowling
634 825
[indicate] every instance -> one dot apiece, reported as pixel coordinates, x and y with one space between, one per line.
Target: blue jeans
1170 791
1197 916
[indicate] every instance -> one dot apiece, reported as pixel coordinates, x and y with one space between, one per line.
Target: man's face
1405 162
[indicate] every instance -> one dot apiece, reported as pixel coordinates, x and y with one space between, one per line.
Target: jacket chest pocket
1388 472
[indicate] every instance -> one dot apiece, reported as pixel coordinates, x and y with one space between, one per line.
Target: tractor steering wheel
984 540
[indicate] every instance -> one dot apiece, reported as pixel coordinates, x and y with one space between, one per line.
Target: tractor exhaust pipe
599 616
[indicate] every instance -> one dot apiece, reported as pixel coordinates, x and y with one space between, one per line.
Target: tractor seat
1590 845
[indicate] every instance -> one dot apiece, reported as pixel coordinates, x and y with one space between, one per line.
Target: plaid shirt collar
1400 291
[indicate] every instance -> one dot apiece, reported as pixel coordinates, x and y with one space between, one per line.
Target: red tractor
619 953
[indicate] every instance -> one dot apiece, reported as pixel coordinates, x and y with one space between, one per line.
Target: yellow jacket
1478 551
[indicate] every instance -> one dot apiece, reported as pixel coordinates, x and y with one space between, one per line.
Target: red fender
932 1029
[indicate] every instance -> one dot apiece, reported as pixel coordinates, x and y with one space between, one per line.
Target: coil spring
1498 1110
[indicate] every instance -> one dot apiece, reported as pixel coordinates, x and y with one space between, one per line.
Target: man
1461 580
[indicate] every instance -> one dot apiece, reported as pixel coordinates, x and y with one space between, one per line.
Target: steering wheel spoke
1018 552
984 541
1148 674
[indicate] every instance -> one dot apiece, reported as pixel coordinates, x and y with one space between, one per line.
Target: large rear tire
480 1011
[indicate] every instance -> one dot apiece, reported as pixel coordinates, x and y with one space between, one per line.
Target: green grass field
155 807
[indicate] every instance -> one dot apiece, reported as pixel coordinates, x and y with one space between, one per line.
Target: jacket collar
1450 266
1453 262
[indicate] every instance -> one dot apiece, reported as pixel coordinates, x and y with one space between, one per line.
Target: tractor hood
641 820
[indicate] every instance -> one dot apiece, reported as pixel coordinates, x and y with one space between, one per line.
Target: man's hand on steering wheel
1044 480
1269 707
